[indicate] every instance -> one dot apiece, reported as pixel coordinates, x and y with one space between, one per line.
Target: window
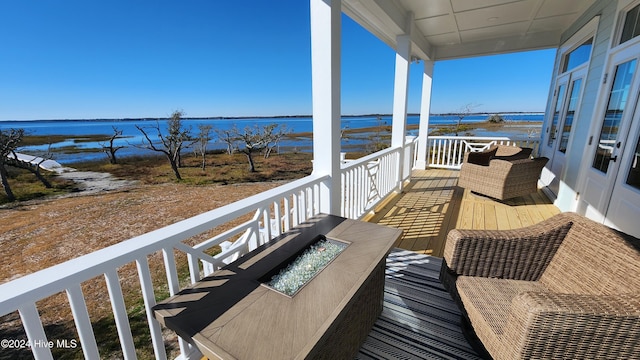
631 26
613 115
556 115
578 56
571 111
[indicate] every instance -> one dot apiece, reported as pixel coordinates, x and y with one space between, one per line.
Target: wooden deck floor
419 320
432 204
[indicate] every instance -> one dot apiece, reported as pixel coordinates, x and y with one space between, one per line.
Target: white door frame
596 187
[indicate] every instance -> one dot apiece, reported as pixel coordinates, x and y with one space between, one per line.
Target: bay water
75 149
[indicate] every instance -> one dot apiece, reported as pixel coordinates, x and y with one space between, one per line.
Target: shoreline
72 149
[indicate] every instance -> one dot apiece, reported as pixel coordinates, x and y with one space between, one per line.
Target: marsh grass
221 168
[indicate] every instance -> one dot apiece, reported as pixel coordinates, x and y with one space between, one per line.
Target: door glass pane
633 178
556 114
613 115
571 111
631 27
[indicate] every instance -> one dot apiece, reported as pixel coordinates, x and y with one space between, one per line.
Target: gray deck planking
419 319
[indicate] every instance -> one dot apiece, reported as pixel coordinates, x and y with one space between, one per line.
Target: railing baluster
120 314
316 189
253 237
362 179
172 272
348 187
296 209
83 323
277 214
309 202
266 221
354 193
173 283
194 269
287 213
303 206
35 332
149 300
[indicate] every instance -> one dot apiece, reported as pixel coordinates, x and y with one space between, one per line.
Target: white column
325 77
400 94
425 108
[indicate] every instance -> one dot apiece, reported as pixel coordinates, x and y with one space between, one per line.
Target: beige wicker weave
567 287
501 172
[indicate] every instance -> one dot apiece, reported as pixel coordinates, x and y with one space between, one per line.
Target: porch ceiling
447 29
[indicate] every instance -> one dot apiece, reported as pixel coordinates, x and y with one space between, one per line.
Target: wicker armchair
501 172
567 287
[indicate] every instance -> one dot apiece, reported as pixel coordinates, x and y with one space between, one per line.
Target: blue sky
115 59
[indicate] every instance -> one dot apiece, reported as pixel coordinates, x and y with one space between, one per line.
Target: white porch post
325 77
425 108
400 94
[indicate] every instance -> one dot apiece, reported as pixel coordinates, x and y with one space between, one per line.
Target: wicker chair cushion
483 157
594 259
490 300
511 153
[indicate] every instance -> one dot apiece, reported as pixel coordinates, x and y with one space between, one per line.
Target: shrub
495 118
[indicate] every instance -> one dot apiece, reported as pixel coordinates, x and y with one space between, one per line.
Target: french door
607 196
624 207
567 101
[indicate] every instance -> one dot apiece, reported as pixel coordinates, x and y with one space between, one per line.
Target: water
66 152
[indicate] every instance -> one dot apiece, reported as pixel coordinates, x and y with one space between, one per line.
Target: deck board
419 319
432 204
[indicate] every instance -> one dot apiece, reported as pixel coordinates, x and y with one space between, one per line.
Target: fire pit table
233 314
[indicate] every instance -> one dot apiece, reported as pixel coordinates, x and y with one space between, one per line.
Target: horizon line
277 116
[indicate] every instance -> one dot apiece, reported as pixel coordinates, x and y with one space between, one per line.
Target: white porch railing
366 182
370 179
448 151
291 204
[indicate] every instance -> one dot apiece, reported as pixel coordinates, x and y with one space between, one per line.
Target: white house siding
570 181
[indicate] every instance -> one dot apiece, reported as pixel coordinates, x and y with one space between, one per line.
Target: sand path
88 182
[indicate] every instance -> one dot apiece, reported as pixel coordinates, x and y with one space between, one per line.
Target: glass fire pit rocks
295 274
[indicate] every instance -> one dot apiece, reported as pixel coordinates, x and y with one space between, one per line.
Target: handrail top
46 282
371 157
486 138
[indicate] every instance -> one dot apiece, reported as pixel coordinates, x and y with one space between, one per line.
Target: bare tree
33 166
251 141
376 139
172 143
254 139
274 136
9 141
227 136
464 111
111 149
201 142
